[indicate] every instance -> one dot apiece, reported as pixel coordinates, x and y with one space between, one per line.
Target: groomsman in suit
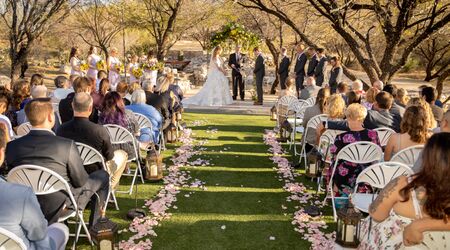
235 63
259 71
312 61
300 68
321 66
283 70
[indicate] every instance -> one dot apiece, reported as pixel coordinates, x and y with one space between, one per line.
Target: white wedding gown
215 91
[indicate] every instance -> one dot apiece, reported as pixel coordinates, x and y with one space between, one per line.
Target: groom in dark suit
300 68
235 63
259 71
283 70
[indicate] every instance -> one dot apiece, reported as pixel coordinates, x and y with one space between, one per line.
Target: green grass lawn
243 193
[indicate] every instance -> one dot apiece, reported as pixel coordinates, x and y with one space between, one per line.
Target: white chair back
23 129
384 134
408 155
311 101
361 152
143 121
326 140
435 240
286 100
380 174
90 155
10 241
298 107
316 120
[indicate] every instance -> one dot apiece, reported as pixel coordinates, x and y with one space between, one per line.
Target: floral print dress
346 172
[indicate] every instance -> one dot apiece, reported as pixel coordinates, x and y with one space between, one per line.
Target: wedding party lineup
244 124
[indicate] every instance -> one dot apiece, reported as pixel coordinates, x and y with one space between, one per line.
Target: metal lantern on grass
104 233
348 226
285 131
171 133
154 166
273 113
314 164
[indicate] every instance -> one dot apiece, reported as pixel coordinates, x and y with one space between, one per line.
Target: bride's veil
212 64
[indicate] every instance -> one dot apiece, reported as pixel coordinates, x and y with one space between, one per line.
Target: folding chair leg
334 209
141 175
133 182
113 196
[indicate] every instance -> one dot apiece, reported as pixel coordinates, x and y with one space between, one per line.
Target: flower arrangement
84 66
120 68
101 65
153 65
137 72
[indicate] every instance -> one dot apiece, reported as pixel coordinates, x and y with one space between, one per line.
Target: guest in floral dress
409 206
346 172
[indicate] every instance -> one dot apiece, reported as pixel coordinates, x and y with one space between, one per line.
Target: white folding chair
408 155
144 122
282 106
120 135
311 101
325 142
383 135
90 155
435 240
297 110
45 181
312 124
361 152
23 129
10 241
377 176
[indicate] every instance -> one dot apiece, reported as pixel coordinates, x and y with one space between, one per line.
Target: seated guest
310 90
414 131
443 127
378 85
162 89
4 103
430 95
342 89
345 175
80 129
139 106
114 112
336 107
122 89
38 91
358 87
417 101
317 109
157 101
177 91
419 202
370 98
22 215
132 87
290 90
63 88
80 84
380 116
402 97
41 147
101 74
392 89
21 94
36 80
97 96
353 97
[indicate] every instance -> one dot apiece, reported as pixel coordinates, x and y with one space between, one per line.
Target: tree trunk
17 60
440 82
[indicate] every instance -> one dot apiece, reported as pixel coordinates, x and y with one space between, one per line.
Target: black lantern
348 226
285 131
171 133
313 164
273 113
104 233
154 165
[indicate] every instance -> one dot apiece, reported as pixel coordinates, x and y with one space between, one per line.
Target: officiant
235 62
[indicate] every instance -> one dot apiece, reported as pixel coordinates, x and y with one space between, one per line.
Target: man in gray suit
321 66
283 70
300 68
310 90
259 71
22 215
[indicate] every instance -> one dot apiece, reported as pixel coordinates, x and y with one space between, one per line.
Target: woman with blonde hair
216 91
417 101
402 97
336 107
370 97
114 66
414 131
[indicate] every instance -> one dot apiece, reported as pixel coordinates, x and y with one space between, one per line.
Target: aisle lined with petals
243 204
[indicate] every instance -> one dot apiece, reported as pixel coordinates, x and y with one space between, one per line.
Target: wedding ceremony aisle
242 204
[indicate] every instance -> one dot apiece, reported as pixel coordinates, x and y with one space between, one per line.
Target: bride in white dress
216 90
